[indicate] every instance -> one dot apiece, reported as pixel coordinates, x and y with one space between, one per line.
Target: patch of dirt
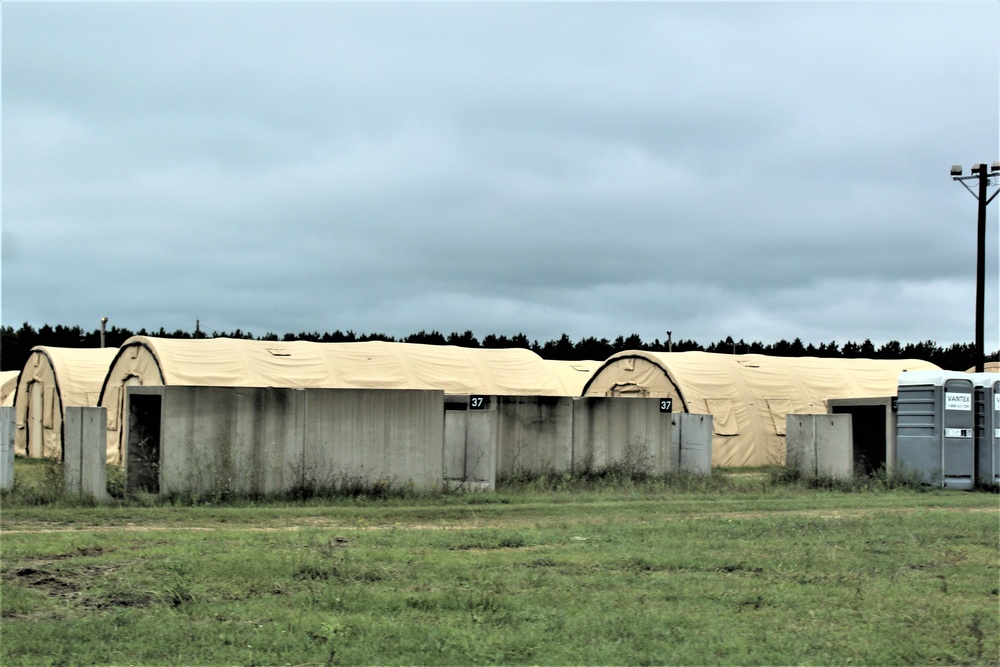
46 582
119 600
66 585
59 581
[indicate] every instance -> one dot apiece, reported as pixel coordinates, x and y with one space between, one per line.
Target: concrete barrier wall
800 443
84 453
692 439
873 429
222 440
7 433
205 440
534 433
820 445
456 427
358 436
486 436
628 431
471 437
490 435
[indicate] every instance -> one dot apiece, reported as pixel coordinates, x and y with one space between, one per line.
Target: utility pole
979 173
104 322
670 342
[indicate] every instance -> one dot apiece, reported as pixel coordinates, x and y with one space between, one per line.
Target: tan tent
748 395
52 379
988 367
8 387
228 362
573 374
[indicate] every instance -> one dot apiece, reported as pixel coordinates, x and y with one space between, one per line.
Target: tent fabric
574 375
228 362
52 379
8 387
748 395
988 367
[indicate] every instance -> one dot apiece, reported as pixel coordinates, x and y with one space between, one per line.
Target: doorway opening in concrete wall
142 463
868 433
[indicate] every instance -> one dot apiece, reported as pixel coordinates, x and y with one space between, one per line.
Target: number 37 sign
666 405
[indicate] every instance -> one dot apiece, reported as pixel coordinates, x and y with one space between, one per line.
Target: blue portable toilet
935 428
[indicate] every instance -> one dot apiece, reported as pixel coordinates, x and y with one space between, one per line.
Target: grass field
730 570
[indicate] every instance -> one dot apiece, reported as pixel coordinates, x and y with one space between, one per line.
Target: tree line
15 344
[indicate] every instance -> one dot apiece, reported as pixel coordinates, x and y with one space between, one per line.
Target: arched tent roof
8 387
988 367
366 365
52 379
573 374
748 395
231 362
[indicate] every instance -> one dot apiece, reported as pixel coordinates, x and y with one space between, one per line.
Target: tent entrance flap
36 399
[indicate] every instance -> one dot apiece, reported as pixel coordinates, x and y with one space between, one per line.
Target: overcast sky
755 170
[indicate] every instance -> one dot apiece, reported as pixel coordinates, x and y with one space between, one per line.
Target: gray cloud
761 170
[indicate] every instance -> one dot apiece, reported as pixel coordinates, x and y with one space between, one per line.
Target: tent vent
279 351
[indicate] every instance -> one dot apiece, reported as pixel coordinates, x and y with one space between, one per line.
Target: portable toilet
935 427
987 408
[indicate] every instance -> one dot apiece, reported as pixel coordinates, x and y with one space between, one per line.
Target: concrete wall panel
482 431
800 443
377 435
456 426
535 433
271 440
834 446
632 431
691 439
7 435
269 456
820 445
471 441
84 468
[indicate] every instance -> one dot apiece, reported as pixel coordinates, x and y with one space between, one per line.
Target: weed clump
37 482
632 471
880 480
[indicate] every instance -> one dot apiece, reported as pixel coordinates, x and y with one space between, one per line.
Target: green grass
738 568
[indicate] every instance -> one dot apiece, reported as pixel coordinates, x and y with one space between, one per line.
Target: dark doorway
868 432
142 466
